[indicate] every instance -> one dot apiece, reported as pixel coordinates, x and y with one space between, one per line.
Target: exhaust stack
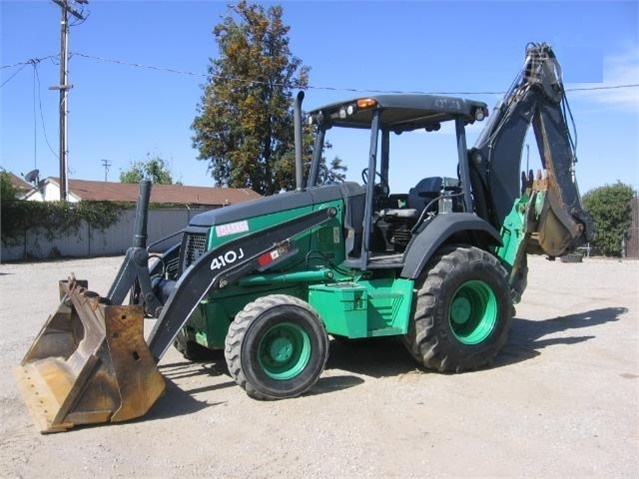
297 127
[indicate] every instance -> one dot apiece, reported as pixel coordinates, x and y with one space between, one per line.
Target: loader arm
90 363
223 265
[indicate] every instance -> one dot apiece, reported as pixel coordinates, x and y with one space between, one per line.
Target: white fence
89 242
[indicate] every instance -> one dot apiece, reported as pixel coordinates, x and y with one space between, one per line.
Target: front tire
462 313
276 347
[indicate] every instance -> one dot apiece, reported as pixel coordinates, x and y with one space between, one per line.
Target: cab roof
400 112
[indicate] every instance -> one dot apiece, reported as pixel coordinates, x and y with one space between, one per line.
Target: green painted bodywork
516 226
322 238
209 323
288 278
375 307
349 305
515 234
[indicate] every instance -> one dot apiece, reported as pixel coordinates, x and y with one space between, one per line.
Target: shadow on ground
331 384
377 357
385 357
206 371
526 339
180 400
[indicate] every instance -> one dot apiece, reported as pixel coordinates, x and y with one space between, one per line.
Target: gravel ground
561 401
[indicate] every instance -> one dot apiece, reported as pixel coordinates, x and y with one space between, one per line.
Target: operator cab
380 224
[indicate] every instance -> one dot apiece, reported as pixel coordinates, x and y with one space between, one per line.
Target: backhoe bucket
563 225
89 364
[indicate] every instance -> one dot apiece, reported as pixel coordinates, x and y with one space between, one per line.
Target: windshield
413 155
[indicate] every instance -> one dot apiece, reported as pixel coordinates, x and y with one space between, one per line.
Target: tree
335 173
154 169
610 209
8 192
244 126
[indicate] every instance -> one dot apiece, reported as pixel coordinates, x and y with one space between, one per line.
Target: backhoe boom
537 97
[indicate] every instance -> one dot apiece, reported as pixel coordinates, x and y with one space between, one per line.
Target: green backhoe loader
438 266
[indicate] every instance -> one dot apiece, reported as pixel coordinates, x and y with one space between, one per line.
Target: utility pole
64 87
106 163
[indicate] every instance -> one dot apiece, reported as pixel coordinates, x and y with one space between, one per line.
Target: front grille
194 246
172 268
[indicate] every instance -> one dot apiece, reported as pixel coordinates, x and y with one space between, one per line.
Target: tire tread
422 340
237 331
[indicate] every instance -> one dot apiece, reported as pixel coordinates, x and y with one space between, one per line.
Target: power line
14 65
14 74
28 62
22 65
44 129
309 87
138 65
604 87
355 90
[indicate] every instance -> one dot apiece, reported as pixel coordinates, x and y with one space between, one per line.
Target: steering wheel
382 183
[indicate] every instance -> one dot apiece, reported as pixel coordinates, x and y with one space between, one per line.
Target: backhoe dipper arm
537 97
224 265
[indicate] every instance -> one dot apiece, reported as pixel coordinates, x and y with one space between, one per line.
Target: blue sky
122 113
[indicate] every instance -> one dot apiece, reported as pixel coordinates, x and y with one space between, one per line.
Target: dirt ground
562 400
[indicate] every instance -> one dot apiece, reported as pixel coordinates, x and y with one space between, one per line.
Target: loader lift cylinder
141 215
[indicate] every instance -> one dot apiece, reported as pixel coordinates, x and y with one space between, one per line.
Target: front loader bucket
89 364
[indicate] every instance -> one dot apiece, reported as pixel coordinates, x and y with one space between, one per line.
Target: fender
439 231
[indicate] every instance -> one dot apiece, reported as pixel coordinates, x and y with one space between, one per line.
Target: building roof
18 182
176 194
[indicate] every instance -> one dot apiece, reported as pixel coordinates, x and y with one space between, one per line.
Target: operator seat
424 192
394 226
419 197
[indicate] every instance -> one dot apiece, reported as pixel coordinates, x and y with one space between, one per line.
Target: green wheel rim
284 351
473 312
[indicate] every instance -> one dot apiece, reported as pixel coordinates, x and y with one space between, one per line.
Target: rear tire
276 347
462 311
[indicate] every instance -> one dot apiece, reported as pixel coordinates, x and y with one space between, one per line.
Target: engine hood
273 204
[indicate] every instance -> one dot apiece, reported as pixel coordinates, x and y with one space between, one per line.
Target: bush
610 209
17 216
